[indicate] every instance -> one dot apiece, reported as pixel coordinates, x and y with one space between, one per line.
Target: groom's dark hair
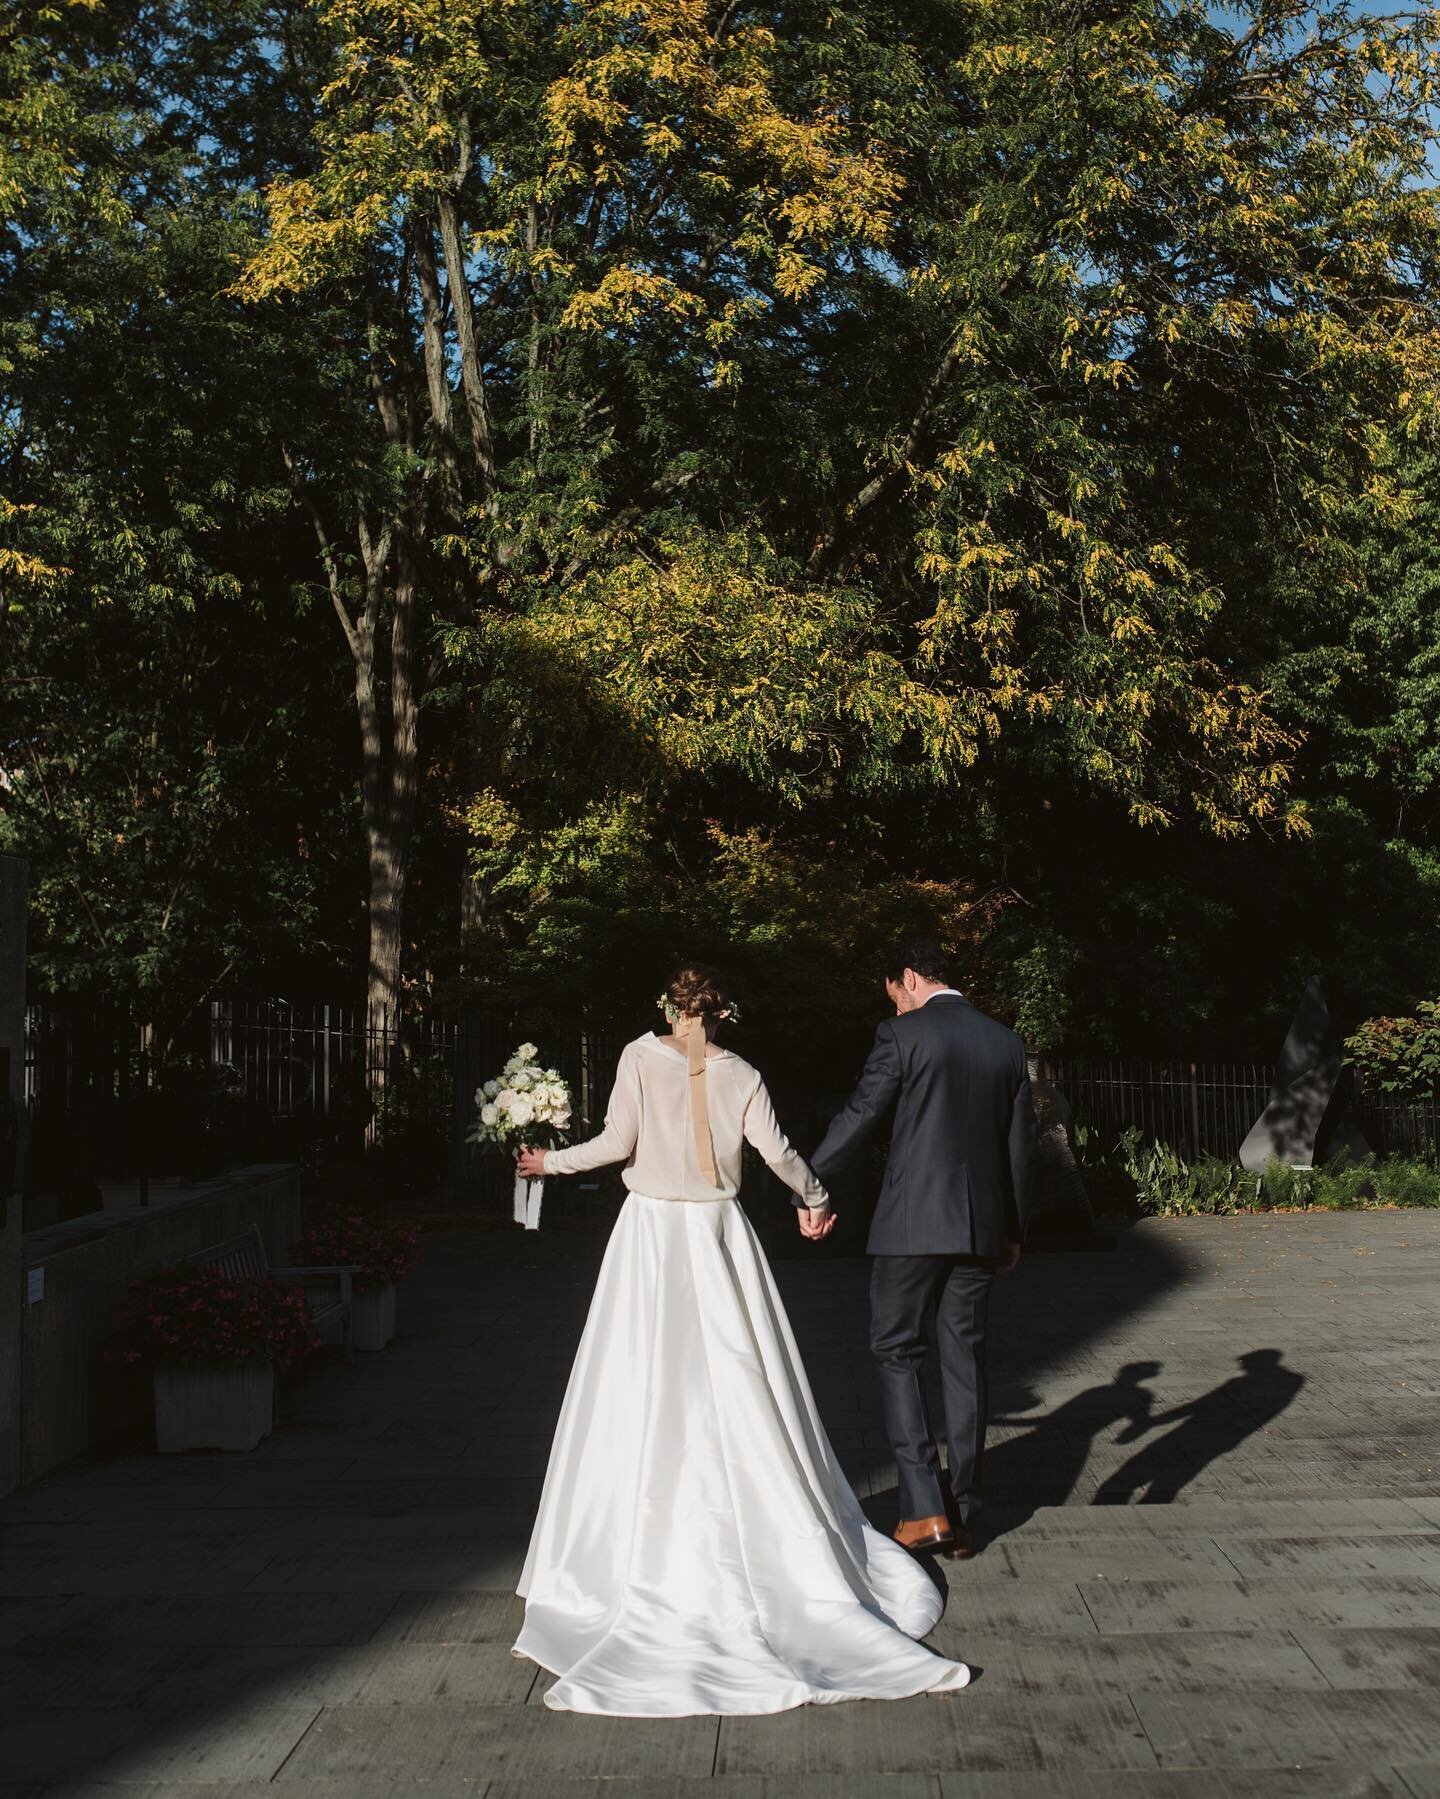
922 954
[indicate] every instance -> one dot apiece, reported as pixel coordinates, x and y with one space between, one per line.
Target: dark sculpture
1306 1119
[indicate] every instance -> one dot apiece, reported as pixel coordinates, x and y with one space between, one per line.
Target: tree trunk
390 749
387 859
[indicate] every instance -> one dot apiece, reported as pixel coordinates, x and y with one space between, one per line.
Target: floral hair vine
729 1013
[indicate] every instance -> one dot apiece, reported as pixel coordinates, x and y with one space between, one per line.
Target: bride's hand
530 1164
816 1221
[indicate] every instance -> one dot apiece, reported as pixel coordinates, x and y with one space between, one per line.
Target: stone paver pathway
330 1617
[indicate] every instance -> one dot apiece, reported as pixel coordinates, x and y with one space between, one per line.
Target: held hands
816 1222
530 1164
1011 1257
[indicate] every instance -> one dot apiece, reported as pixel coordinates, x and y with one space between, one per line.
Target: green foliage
592 909
1405 1181
817 500
1165 1184
1149 1179
1399 1055
1353 1186
168 717
1038 990
413 1111
990 406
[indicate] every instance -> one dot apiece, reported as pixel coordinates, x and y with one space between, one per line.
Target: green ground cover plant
1143 1179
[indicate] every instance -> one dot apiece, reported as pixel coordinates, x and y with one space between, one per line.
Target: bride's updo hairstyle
694 991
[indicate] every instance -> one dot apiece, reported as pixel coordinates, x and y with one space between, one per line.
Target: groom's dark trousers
957 1189
903 1291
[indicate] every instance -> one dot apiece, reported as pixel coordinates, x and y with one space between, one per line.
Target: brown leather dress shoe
961 1549
921 1534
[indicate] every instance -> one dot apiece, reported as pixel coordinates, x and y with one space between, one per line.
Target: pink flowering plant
383 1249
202 1318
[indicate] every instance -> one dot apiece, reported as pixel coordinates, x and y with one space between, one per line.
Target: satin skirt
697 1548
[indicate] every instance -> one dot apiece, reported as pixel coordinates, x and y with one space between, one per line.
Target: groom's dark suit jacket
958 1177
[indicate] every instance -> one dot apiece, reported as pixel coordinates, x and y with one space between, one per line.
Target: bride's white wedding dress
698 1549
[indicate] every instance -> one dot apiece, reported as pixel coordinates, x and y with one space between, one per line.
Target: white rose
521 1112
488 1115
527 1052
535 1072
505 1098
490 1089
520 1081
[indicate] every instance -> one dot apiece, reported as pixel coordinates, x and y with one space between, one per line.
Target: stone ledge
51 1239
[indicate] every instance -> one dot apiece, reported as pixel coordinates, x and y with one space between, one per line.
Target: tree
1168 342
840 429
169 765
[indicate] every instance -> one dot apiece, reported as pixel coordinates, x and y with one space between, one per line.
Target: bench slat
245 1256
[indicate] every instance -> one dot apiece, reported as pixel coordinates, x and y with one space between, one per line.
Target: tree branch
327 553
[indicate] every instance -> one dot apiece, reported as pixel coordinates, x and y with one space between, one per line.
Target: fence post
1194 1111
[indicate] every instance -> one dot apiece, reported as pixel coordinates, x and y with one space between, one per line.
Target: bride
697 1548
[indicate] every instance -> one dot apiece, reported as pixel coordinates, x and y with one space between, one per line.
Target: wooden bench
328 1289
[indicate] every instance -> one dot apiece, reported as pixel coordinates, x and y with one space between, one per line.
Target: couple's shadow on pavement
1044 1466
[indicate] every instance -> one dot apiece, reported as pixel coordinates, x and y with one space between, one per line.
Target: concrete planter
213 1408
372 1318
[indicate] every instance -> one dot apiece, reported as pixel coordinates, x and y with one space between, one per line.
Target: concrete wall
12 1075
70 1399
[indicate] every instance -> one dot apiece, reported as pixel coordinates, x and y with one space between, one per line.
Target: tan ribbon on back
691 1032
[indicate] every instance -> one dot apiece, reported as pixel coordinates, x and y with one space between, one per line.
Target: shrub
1343 1186
1283 1187
1167 1185
201 1318
1403 1181
1110 1190
1155 1180
384 1249
1399 1055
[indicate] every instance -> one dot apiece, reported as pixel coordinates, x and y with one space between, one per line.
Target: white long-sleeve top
648 1128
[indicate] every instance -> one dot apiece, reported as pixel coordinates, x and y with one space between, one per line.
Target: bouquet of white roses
525 1103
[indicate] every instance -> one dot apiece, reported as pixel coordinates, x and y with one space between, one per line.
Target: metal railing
1200 1108
263 1078
1206 1108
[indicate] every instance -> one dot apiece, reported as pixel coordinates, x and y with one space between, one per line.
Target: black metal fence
1200 1108
265 1079
1207 1108
1401 1127
353 1081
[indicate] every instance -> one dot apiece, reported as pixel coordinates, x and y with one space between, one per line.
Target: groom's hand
1010 1258
815 1221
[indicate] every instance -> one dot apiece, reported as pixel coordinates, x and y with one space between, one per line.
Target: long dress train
698 1549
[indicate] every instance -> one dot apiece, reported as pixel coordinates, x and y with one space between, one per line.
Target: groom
952 1212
